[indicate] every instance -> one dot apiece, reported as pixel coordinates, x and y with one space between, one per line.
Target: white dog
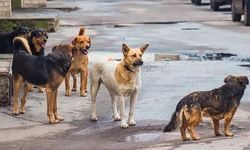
122 79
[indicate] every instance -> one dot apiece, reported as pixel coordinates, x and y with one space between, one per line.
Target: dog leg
227 120
74 82
133 100
124 124
23 100
183 128
94 89
30 87
216 125
83 83
86 81
67 85
192 132
17 83
50 106
40 90
116 115
57 117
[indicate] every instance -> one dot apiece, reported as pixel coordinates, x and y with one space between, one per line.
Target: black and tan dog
82 43
45 71
37 40
6 38
219 103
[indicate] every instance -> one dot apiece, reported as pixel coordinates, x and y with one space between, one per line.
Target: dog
46 71
122 79
219 103
82 43
6 38
37 41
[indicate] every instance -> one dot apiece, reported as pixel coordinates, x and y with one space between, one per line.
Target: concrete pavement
169 26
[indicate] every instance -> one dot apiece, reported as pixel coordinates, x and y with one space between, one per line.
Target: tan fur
26 44
51 88
79 64
189 119
122 79
51 92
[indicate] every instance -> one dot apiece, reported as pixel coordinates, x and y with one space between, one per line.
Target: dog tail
21 44
81 32
173 123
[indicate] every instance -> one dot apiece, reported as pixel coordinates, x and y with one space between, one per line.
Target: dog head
68 48
38 38
133 57
82 42
243 80
22 31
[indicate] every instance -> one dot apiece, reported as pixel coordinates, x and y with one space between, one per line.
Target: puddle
190 28
195 56
142 137
209 56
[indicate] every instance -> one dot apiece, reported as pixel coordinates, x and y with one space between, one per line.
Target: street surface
170 27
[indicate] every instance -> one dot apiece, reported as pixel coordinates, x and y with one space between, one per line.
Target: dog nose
140 62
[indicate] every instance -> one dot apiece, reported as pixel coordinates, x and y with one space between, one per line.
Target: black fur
38 70
218 101
6 38
37 33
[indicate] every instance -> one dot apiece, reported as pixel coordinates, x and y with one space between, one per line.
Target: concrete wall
33 3
5 8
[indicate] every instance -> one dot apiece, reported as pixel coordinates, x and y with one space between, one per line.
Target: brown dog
79 64
219 103
45 71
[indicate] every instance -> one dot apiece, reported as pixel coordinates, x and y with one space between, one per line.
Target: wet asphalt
170 27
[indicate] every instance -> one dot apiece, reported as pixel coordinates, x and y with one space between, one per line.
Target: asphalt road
170 27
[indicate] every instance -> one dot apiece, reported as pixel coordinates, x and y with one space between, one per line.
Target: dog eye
134 55
140 55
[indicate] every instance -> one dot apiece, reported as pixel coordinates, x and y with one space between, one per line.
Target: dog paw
15 112
124 125
73 89
59 118
132 122
93 119
67 94
116 118
22 111
186 139
218 134
83 94
196 138
229 134
40 90
54 121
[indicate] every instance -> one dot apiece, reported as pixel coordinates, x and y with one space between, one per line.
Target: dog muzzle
138 63
84 50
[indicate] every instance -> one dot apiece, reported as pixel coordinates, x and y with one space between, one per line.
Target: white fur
105 73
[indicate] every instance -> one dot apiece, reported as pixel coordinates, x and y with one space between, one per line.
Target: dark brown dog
219 103
79 64
45 71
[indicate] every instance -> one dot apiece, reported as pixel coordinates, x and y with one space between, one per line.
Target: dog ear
125 49
54 48
243 80
74 41
228 78
81 32
144 47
